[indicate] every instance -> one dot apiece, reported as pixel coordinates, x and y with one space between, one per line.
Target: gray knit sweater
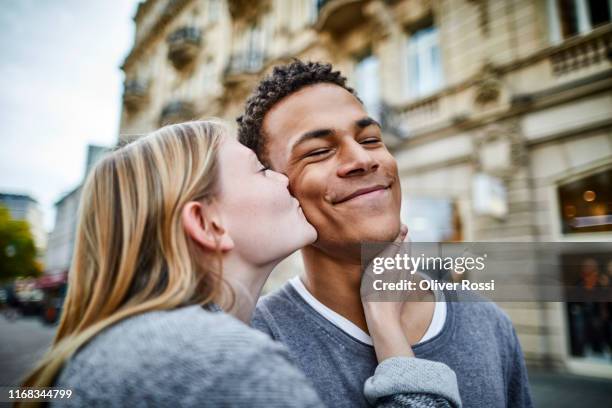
195 357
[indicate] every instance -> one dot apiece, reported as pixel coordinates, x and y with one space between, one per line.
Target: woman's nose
281 177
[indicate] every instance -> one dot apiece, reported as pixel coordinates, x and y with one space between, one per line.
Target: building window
432 219
214 9
255 48
313 11
572 17
367 84
590 322
209 75
250 53
586 204
424 62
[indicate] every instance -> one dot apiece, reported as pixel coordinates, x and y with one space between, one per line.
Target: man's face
338 167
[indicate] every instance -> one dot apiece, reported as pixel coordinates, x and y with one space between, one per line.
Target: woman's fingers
402 233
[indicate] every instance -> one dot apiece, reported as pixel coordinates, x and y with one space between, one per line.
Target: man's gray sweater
196 357
477 341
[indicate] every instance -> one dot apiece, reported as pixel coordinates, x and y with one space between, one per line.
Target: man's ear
203 225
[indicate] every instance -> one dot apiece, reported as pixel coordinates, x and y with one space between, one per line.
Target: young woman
178 231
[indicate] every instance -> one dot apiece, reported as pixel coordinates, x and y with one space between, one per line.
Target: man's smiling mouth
361 192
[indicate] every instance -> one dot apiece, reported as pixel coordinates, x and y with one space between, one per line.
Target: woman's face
265 222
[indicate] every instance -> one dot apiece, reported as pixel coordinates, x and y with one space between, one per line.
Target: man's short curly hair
282 82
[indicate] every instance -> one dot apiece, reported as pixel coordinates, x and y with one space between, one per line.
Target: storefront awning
51 281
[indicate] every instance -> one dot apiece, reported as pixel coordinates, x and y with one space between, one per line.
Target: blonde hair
132 255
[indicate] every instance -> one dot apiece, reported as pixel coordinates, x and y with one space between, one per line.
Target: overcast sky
60 88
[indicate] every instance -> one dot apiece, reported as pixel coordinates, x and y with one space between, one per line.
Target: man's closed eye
318 152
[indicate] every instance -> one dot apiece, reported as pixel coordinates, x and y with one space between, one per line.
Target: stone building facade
498 111
62 238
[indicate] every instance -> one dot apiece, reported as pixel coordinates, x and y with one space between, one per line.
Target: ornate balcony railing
390 121
135 94
582 52
404 121
245 63
184 45
176 112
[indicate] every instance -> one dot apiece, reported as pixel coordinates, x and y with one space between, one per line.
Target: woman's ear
203 225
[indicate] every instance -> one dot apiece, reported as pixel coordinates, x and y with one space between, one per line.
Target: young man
304 121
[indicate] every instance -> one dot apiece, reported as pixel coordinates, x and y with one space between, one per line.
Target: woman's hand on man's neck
337 282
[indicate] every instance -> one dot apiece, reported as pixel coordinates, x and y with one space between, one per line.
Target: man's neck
336 283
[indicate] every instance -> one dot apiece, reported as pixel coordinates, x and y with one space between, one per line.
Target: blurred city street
24 340
569 390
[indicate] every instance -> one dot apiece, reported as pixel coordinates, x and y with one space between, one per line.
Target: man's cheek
389 162
311 209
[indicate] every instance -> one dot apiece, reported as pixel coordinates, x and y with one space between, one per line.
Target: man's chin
381 237
376 232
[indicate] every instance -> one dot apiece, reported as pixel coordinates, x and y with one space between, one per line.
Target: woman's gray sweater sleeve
190 358
274 381
412 382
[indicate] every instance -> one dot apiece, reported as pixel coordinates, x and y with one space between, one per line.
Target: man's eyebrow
313 134
365 122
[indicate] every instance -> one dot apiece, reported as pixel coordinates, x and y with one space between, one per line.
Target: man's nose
356 160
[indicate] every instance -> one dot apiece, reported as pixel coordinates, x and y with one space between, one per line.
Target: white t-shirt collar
350 328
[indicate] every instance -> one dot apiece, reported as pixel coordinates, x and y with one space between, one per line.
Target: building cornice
581 88
503 69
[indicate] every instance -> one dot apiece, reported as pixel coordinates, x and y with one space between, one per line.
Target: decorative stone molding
339 16
500 149
488 84
412 14
381 19
483 15
247 11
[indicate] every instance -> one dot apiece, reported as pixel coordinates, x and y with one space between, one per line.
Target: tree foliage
17 249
